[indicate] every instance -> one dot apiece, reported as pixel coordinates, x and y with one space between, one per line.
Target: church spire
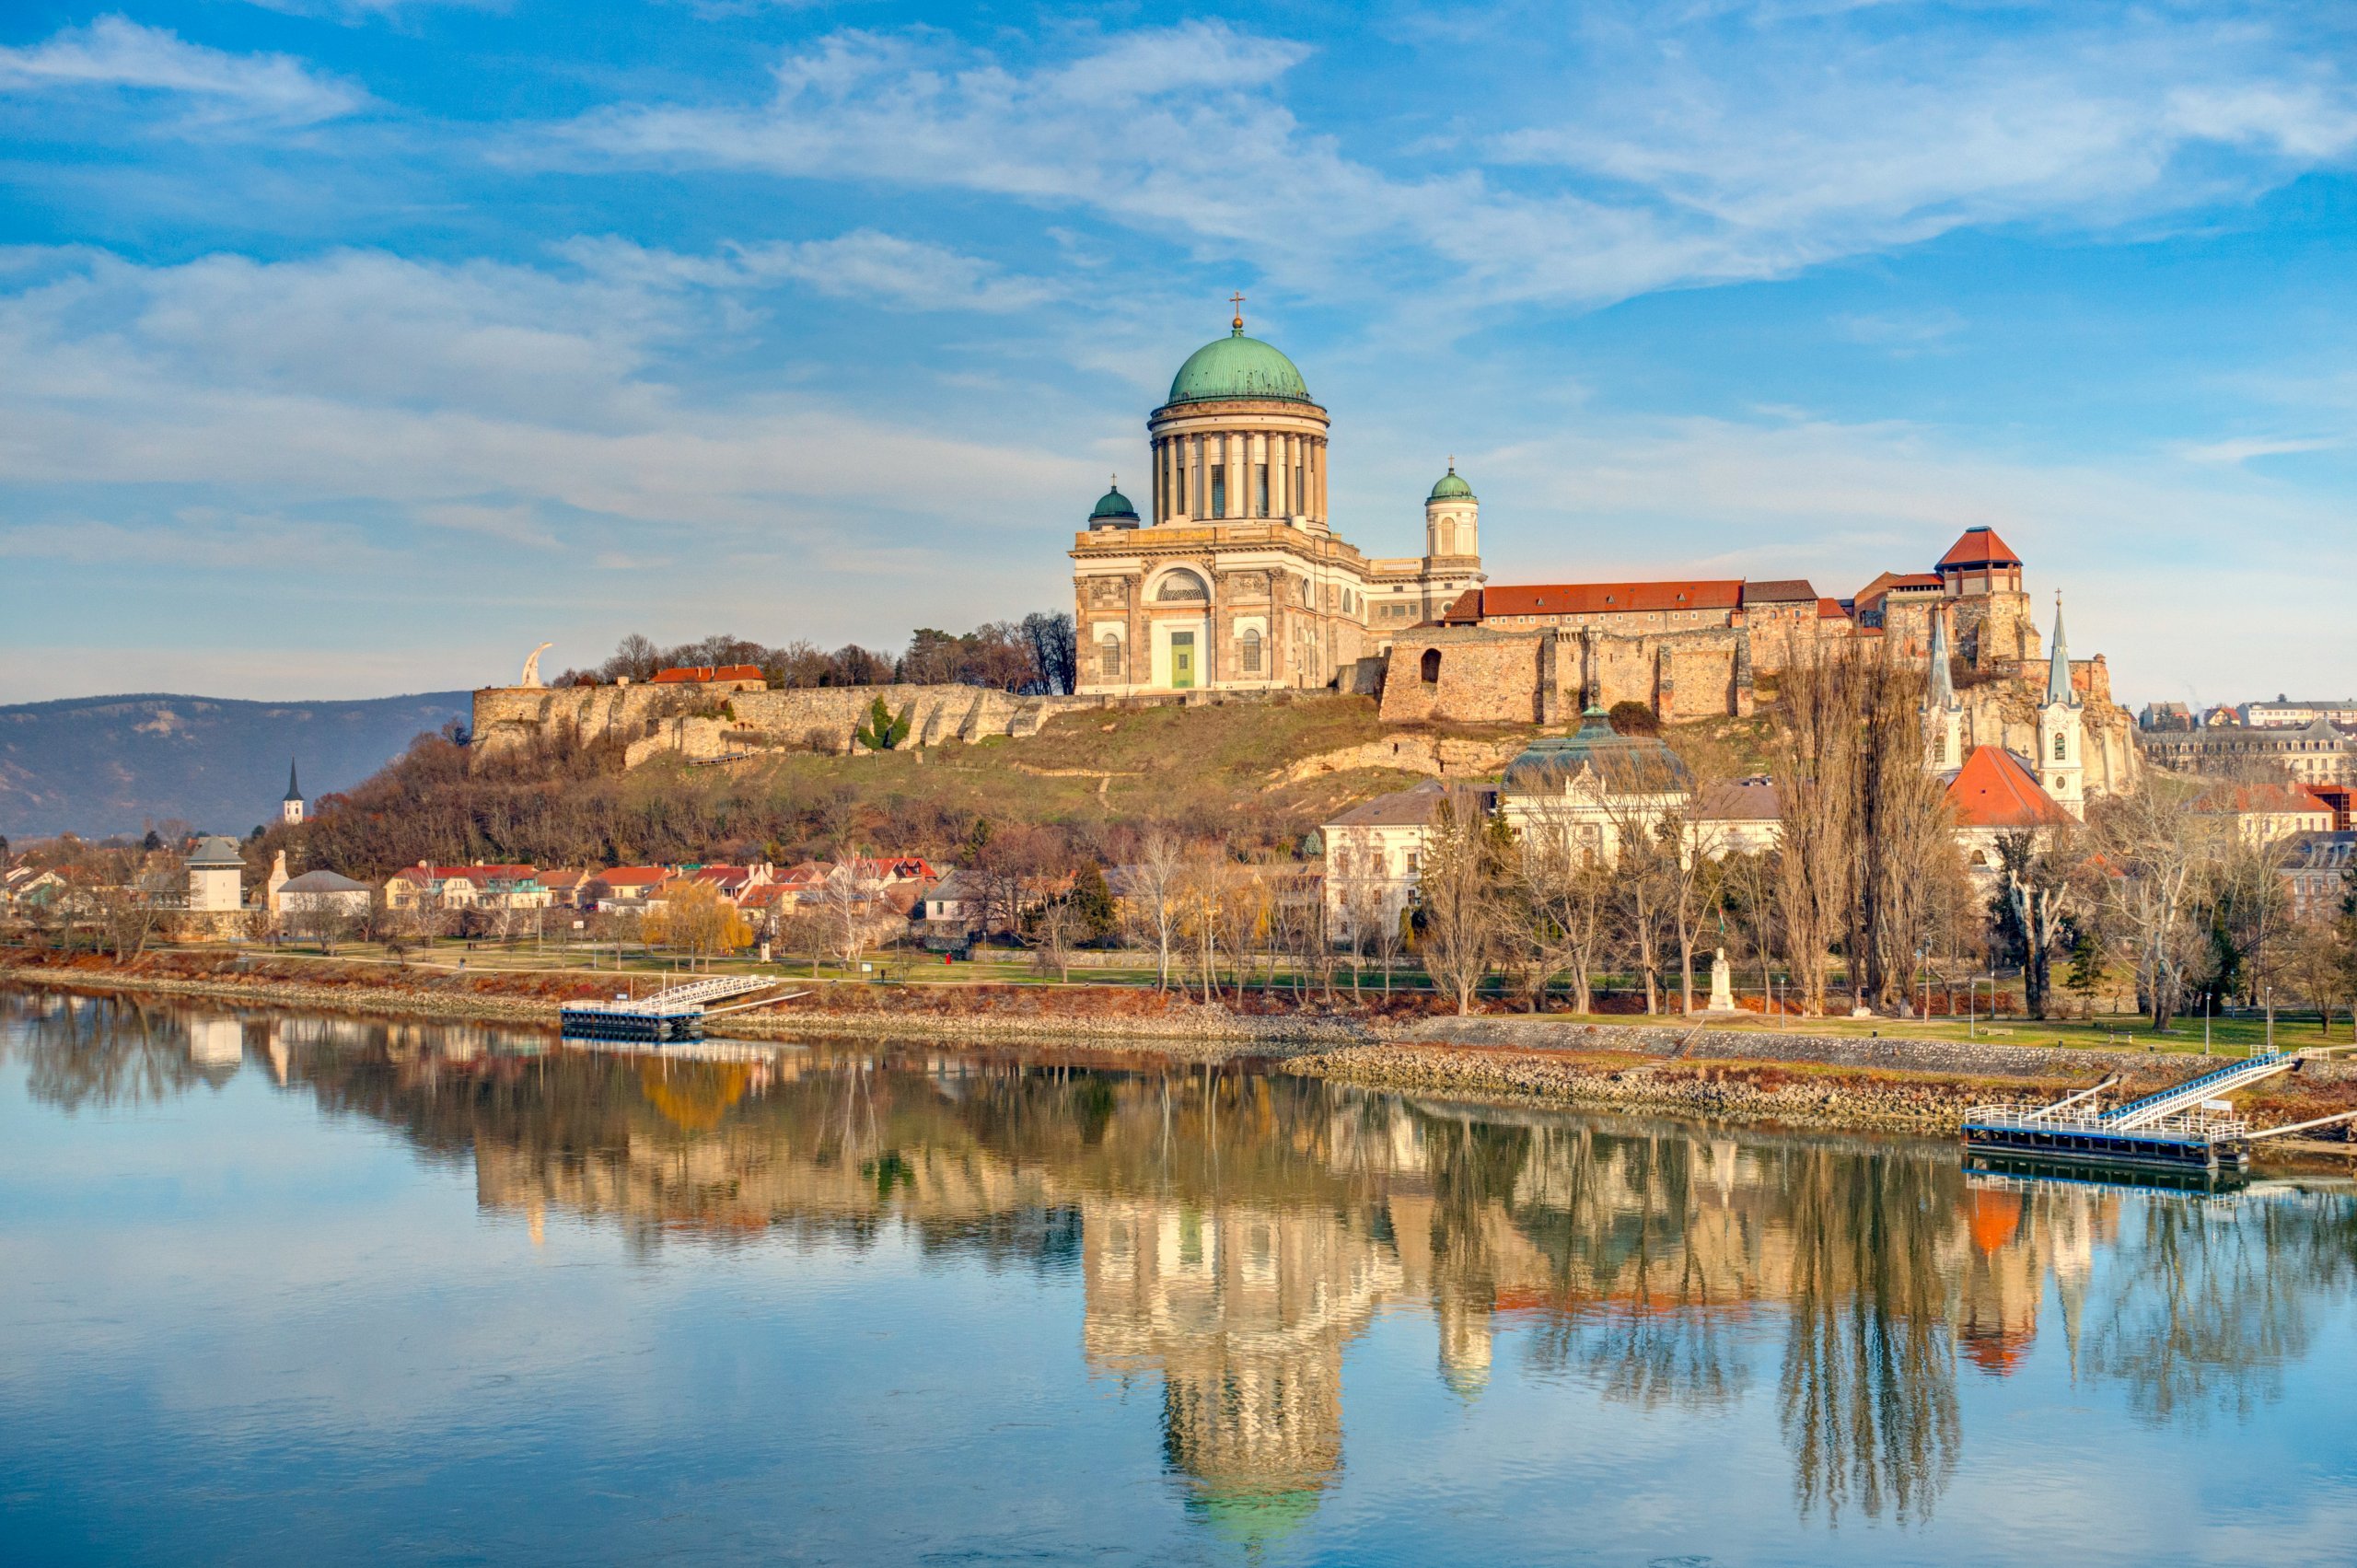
2058 670
294 790
1939 694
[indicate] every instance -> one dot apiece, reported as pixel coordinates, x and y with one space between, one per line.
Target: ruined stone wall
703 722
1546 675
1479 677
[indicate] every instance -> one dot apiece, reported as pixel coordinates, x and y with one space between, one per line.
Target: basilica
1239 581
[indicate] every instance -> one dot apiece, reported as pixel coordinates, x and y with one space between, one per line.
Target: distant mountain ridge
100 765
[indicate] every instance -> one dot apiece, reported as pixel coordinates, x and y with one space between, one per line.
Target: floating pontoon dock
674 1013
2189 1126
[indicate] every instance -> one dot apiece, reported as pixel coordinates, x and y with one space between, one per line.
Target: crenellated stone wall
704 722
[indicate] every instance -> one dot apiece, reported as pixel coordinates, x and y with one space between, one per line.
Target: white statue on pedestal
1721 983
532 666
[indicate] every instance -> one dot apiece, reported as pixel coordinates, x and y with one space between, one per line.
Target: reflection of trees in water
1622 1209
1868 1387
101 1054
2201 1313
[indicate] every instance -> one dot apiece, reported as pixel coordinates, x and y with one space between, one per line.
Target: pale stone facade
1237 580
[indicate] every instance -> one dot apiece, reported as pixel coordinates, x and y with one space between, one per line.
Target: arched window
1251 650
1942 748
1182 588
1431 667
2062 746
1108 657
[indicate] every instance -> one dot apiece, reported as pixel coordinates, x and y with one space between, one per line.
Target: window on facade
2059 745
1182 588
1251 650
1219 489
1261 480
1108 657
1431 670
1178 501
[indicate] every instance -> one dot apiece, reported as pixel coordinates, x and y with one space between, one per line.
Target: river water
278 1289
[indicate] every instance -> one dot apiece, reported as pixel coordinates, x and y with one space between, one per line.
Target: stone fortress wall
702 722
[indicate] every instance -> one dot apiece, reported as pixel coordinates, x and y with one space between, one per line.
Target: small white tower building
217 875
1942 709
2061 769
1452 518
290 810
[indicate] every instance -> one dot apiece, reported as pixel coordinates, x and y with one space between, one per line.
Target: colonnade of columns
1295 465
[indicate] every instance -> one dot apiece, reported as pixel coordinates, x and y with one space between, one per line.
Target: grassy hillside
98 765
1089 780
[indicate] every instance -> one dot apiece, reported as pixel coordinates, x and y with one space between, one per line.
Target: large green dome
1238 366
1451 488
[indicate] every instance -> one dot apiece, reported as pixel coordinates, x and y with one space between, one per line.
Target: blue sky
354 346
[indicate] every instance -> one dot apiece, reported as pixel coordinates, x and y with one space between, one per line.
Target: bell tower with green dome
1452 520
1226 574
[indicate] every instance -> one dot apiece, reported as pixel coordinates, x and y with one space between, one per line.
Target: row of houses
759 887
1593 790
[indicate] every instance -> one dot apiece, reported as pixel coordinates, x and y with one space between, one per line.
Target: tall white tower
2061 771
1942 709
290 810
1452 518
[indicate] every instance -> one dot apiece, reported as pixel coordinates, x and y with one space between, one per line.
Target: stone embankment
1662 1068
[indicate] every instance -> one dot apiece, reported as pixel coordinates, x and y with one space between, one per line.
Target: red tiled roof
1831 610
1996 789
1785 590
1978 546
632 877
696 674
2266 801
1596 598
768 893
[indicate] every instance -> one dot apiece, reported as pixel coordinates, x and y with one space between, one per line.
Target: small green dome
1451 488
1238 366
1113 506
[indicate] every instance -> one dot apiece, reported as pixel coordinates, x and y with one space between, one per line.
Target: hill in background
100 765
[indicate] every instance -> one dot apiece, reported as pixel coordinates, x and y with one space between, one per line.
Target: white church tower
2061 770
290 810
1942 709
1452 518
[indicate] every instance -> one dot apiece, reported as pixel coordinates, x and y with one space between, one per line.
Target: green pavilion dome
1451 488
1238 366
1623 764
1112 507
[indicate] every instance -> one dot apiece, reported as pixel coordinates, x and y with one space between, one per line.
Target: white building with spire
290 810
2061 764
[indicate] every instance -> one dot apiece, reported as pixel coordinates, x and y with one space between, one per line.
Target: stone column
1232 448
1280 477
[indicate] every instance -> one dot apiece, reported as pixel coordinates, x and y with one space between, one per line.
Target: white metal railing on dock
691 997
2200 1127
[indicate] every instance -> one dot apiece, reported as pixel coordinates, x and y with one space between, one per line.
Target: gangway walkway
2214 1085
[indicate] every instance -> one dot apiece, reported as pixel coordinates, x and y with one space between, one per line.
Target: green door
1182 660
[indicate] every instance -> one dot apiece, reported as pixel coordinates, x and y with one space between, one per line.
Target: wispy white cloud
211 86
881 269
1683 145
472 397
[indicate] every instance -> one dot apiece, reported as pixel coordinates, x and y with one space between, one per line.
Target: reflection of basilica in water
1236 1233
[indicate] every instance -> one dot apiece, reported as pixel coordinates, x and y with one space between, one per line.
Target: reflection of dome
1451 488
1238 366
1254 1518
